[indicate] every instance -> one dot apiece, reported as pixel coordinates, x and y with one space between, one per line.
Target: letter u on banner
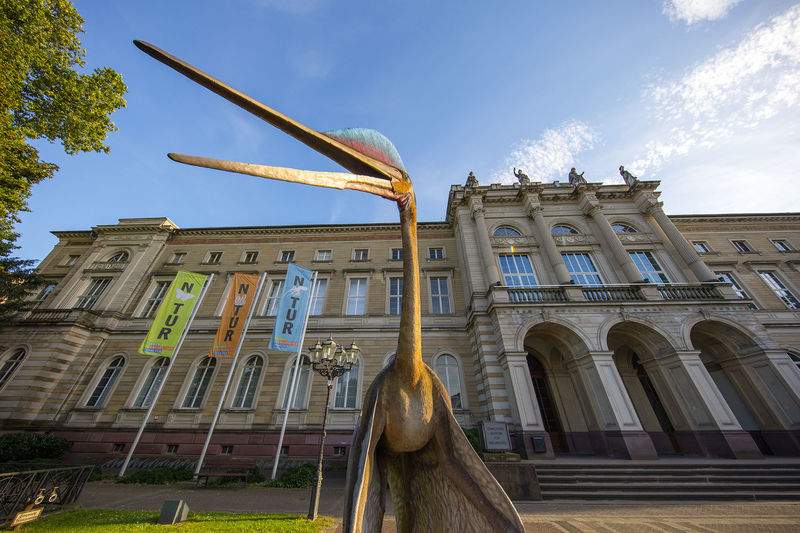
234 315
292 307
173 314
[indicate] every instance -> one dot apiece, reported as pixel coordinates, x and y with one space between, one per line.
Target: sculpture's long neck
408 361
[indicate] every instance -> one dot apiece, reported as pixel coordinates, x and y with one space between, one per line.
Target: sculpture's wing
446 487
365 489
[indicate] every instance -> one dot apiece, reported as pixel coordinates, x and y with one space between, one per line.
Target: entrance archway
546 404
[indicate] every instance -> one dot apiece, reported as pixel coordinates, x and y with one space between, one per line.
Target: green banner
173 314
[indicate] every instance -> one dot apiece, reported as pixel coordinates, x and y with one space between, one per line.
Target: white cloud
693 11
295 7
733 92
310 63
550 156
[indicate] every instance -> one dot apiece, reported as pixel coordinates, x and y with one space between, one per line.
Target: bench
222 469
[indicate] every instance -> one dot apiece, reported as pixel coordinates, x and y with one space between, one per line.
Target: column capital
589 204
476 206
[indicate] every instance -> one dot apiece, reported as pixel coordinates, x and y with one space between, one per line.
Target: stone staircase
701 480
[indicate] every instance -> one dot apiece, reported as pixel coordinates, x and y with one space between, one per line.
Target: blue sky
703 95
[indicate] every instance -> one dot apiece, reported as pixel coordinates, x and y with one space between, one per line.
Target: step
694 495
549 487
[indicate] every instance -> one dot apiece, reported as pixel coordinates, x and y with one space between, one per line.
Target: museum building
579 314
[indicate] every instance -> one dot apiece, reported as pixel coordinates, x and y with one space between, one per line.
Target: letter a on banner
292 307
234 315
173 314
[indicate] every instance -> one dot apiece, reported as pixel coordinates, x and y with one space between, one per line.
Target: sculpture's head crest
370 142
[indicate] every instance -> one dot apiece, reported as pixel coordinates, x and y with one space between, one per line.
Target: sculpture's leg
365 488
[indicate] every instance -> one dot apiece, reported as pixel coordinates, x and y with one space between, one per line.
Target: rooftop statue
407 436
472 181
575 178
629 178
521 176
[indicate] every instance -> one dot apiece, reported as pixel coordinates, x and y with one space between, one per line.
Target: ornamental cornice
308 230
734 218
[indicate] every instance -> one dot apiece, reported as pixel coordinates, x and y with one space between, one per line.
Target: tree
43 95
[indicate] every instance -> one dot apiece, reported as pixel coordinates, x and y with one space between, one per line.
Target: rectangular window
323 255
397 254
226 449
361 254
273 297
649 267
440 296
159 291
71 260
119 447
287 256
582 270
318 302
742 246
395 295
92 293
701 247
777 286
250 257
172 449
517 270
43 294
435 253
727 278
339 451
177 258
356 296
214 258
783 246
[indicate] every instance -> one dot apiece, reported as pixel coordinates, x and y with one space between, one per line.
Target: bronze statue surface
407 436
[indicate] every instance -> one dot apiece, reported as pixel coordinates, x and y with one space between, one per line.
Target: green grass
106 521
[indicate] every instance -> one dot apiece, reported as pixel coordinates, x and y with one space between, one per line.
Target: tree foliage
44 95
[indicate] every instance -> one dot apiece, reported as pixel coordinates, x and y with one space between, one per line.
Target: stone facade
581 315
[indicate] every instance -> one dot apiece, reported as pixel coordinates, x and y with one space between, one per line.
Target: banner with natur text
291 315
234 315
173 314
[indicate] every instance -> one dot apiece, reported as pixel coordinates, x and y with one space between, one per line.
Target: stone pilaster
542 235
487 255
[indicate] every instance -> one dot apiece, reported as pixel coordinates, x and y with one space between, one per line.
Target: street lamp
329 360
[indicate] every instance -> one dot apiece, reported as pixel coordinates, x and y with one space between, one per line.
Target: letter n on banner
292 307
234 316
173 314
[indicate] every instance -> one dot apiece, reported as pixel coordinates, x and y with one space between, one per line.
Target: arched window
302 384
152 383
200 381
346 391
446 367
505 231
561 229
622 228
10 366
248 382
119 257
106 382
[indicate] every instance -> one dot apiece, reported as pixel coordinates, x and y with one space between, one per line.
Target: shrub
296 477
27 446
160 475
474 437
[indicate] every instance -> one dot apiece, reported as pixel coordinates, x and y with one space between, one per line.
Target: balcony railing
612 294
688 292
537 295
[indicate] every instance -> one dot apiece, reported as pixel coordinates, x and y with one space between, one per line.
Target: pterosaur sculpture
407 436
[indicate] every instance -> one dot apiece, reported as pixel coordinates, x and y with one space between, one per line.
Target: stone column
649 205
545 240
620 433
523 395
487 255
591 207
710 426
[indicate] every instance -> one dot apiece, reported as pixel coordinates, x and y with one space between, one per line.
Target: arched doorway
546 404
719 346
669 445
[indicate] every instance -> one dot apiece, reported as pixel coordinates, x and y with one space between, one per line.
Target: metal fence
49 488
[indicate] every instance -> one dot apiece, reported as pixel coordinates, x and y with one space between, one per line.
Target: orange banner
234 315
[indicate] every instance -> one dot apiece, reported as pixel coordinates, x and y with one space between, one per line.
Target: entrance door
546 405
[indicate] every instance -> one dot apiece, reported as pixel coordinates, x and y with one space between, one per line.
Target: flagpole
292 391
230 374
166 374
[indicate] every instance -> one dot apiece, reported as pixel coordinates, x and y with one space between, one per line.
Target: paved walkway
545 517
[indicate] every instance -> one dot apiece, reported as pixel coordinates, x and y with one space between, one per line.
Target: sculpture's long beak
351 159
333 180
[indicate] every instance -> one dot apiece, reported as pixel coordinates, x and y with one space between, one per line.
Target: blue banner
292 309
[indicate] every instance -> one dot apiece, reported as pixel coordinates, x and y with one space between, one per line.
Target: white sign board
495 437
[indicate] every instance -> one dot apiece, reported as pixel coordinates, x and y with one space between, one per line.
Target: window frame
43 294
506 231
703 244
389 296
91 299
178 258
628 228
9 368
122 256
571 230
356 374
432 253
109 387
249 257
213 257
395 256
148 309
318 258
459 374
316 300
573 275
286 381
743 246
357 253
449 284
735 286
348 282
785 247
272 299
254 383
637 256
188 383
144 377
504 274
286 256
71 260
782 285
